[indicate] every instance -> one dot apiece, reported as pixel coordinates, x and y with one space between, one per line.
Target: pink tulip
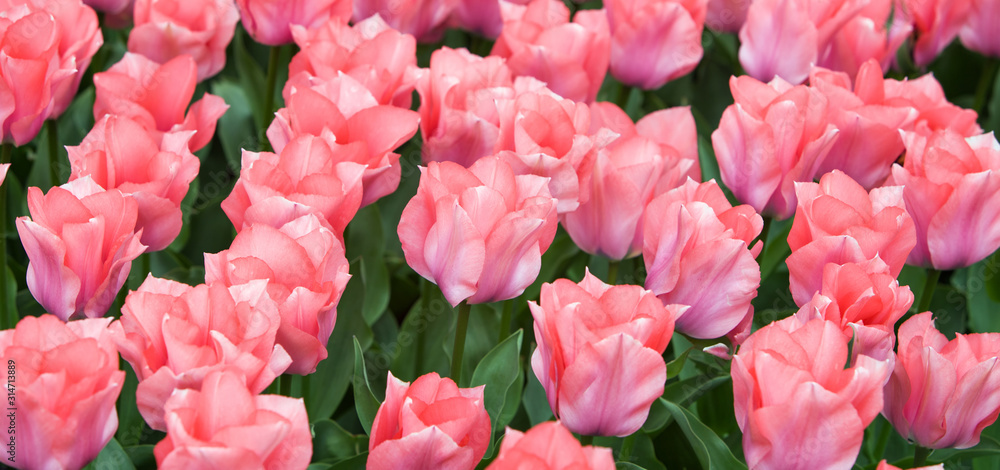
862 294
549 446
977 33
935 111
79 39
481 17
796 403
112 7
952 190
377 56
80 241
478 233
174 335
63 383
423 19
119 153
165 29
694 242
599 353
837 221
270 21
307 171
937 23
157 96
429 424
304 264
875 33
943 393
3 171
641 164
641 54
727 16
538 40
459 119
224 425
354 125
883 465
774 135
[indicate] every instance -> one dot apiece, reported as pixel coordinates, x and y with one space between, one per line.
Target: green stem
461 327
9 316
925 297
920 455
627 443
623 95
53 134
586 440
985 84
268 110
883 441
306 383
613 272
285 386
505 318
274 388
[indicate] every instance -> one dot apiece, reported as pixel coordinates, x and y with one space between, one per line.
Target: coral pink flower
429 424
549 446
727 15
641 54
174 335
482 17
874 33
952 190
423 19
977 33
599 353
80 241
937 23
64 381
883 465
306 270
789 376
478 233
694 242
355 126
837 221
774 135
270 21
157 96
112 7
641 164
459 119
119 153
377 56
165 29
863 294
538 40
935 111
307 171
224 425
943 393
79 39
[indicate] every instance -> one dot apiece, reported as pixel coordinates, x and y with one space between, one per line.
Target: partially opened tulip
549 446
478 233
429 424
270 21
538 40
157 96
175 335
304 263
875 33
695 242
423 19
977 33
951 186
79 39
936 24
599 353
863 294
943 393
641 54
112 7
225 425
119 153
788 377
481 17
727 15
883 465
80 241
64 381
935 112
202 29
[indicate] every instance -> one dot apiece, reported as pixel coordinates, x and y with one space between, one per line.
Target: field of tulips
500 234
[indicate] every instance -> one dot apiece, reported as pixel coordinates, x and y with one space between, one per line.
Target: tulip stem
53 134
626 453
985 84
586 440
285 386
920 455
925 297
461 327
613 272
505 319
9 316
268 110
883 441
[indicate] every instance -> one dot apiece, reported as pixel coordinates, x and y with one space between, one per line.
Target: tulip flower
789 376
303 261
538 40
119 153
863 294
935 112
977 33
270 21
165 29
429 424
423 19
936 23
599 353
875 33
943 393
481 17
549 446
63 384
225 425
478 233
883 465
112 7
175 335
951 187
157 96
641 54
727 15
80 241
695 242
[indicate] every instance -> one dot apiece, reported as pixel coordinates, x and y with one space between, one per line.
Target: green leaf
353 463
711 450
988 447
364 400
130 422
535 401
332 443
627 466
236 127
142 456
112 457
365 241
675 366
499 371
419 348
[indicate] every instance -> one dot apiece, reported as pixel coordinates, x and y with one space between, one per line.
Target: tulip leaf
712 452
332 443
978 283
988 447
112 457
364 400
142 457
419 347
675 366
235 128
365 241
354 463
500 372
130 422
627 466
536 402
